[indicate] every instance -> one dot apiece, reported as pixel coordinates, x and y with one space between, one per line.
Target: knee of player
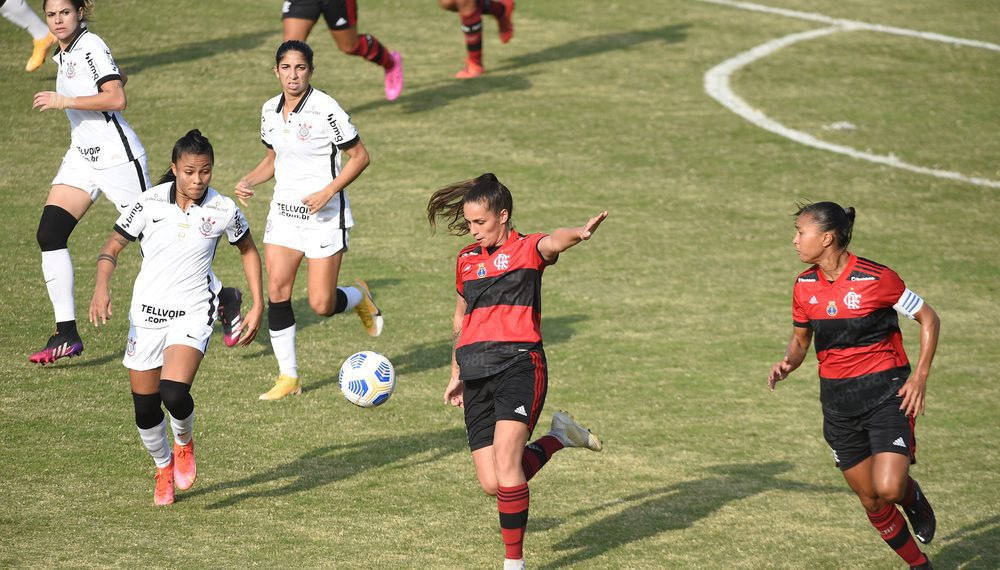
322 305
54 228
891 492
449 5
489 487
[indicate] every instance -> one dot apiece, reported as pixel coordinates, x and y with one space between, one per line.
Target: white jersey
178 247
103 138
307 151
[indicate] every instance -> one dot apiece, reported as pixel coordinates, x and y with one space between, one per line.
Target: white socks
58 271
283 344
354 296
19 14
182 428
155 440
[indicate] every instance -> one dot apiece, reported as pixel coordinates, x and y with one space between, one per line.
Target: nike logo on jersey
155 221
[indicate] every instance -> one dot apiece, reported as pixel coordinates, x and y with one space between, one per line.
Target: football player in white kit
305 132
174 300
105 156
18 13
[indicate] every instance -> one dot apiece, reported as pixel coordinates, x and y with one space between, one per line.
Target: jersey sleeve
264 134
237 229
540 262
338 123
103 66
131 223
800 318
890 289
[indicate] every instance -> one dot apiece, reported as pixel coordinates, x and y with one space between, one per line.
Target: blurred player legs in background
299 16
470 13
19 14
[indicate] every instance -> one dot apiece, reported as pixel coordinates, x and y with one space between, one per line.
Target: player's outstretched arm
562 239
914 390
261 173
251 267
110 98
794 355
107 261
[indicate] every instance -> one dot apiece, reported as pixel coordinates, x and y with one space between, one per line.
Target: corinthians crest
303 132
206 226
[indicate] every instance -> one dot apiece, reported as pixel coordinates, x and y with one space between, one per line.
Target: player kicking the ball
499 374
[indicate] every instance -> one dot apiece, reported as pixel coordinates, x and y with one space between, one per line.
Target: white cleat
509 564
572 434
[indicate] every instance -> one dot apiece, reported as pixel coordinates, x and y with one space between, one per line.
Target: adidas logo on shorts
899 442
520 410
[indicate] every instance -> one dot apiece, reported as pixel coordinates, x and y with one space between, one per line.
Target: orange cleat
185 471
471 69
164 494
506 25
39 52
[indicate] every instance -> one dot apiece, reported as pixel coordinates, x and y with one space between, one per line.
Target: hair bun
849 212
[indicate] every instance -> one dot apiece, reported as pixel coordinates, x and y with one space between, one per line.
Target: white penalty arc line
718 87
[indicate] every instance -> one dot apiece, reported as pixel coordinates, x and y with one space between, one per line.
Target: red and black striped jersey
856 333
503 296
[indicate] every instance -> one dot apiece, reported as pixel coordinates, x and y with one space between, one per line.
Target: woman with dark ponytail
175 300
869 397
499 375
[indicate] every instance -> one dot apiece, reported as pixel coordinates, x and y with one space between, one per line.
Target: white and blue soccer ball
367 379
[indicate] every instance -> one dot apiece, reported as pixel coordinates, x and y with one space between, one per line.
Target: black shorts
515 393
884 428
339 14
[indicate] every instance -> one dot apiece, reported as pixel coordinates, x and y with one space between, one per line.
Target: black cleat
925 566
230 302
921 517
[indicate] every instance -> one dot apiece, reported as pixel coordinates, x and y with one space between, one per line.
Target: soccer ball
367 379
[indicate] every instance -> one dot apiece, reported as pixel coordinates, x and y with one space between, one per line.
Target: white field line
717 84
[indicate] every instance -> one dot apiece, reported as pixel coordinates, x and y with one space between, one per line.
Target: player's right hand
100 307
453 393
244 191
779 372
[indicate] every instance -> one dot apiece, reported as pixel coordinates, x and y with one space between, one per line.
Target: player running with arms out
105 156
869 397
470 13
19 14
499 374
306 132
299 16
174 300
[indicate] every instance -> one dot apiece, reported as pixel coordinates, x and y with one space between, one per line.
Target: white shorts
315 242
121 184
144 347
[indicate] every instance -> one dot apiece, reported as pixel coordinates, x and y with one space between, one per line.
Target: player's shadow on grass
972 546
441 94
598 44
674 507
327 465
136 64
437 353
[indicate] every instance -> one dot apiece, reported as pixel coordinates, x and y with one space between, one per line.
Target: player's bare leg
368 47
296 28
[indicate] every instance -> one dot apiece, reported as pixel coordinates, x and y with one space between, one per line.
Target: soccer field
659 332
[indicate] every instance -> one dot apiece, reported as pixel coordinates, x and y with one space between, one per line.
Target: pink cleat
58 346
394 77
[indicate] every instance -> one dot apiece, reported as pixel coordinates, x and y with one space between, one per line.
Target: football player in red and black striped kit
869 397
499 375
470 13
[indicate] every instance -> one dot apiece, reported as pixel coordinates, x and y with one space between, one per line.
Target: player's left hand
250 325
913 392
100 307
317 200
592 225
46 100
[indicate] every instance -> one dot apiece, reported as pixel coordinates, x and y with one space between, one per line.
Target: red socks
890 525
536 454
472 27
371 49
512 502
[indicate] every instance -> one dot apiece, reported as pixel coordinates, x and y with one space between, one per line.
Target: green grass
659 331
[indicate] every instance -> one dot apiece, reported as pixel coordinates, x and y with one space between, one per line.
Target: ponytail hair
449 202
191 143
830 217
